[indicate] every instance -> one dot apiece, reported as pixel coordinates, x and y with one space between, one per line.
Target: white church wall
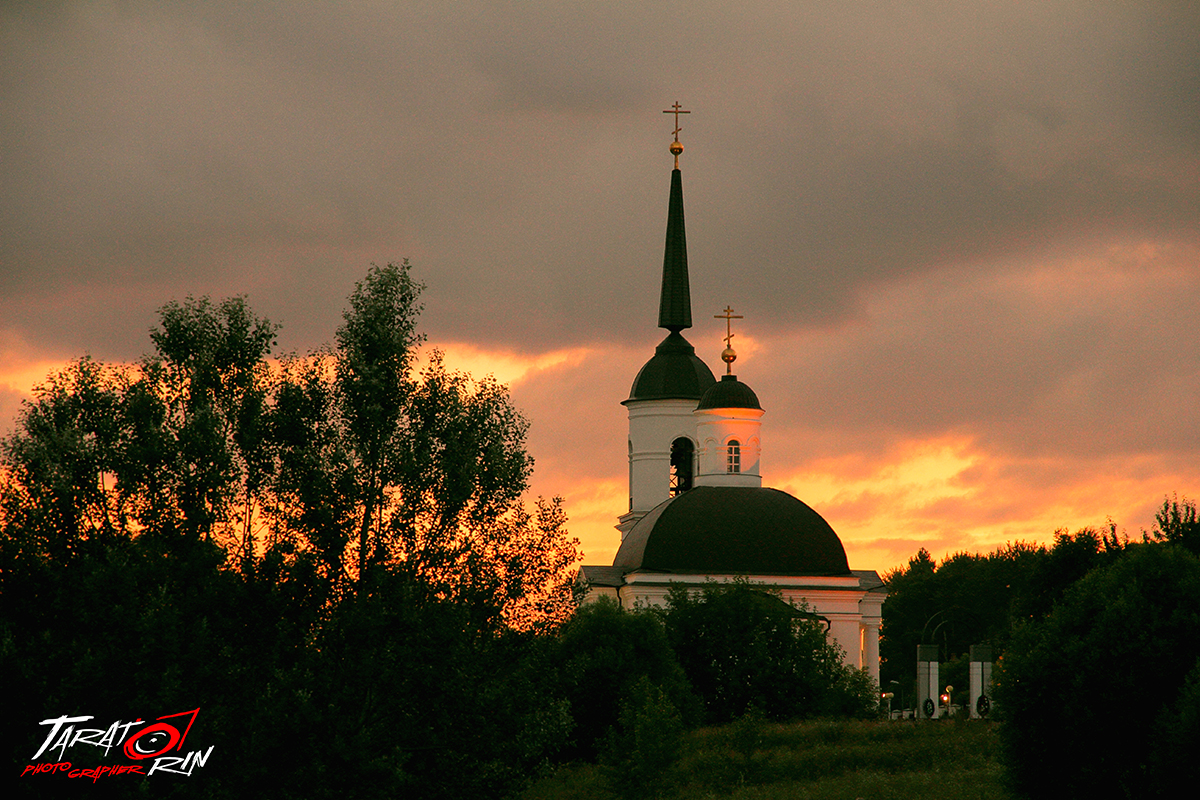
594 593
715 428
653 425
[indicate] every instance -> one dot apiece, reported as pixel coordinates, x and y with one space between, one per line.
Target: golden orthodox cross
676 110
676 147
727 316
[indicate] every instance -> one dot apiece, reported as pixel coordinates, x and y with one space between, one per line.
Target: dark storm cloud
939 136
182 145
1097 356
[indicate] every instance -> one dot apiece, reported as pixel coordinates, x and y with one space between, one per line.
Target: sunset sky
964 236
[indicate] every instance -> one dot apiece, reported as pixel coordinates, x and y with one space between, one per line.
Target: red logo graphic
159 738
150 742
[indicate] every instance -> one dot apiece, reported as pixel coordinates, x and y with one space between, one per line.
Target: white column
927 681
981 677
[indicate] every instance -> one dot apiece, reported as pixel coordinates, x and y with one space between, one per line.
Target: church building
698 511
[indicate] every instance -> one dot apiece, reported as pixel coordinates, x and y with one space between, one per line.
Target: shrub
603 653
642 749
742 648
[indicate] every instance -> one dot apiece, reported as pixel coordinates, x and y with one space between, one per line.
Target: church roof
601 576
675 303
675 372
729 392
733 530
869 579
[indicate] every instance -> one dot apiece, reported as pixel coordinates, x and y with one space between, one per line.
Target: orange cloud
505 366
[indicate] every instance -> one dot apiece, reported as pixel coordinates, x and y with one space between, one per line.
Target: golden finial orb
728 356
676 147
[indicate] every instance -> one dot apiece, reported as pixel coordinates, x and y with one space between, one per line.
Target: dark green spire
675 306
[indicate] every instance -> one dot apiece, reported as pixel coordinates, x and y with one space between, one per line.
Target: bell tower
662 428
729 425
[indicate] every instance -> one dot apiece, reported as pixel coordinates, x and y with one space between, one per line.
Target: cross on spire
729 356
676 110
727 316
676 147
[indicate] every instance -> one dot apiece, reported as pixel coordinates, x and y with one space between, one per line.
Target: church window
734 461
682 456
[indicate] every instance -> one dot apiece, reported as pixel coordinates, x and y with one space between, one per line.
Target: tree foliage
1176 523
641 751
331 556
971 599
381 465
1096 693
602 654
742 649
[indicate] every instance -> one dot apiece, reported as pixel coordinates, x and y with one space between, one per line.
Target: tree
972 599
375 351
1089 692
641 751
601 654
206 388
172 447
407 695
1071 558
1172 756
58 492
422 473
1176 523
742 648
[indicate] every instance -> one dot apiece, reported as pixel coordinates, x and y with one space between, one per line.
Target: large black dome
675 372
732 530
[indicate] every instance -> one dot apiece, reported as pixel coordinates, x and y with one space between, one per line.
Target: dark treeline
329 556
971 599
1097 644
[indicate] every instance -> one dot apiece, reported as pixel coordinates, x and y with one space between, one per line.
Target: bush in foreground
743 648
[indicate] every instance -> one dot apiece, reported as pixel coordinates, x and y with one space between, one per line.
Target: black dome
733 530
673 373
729 392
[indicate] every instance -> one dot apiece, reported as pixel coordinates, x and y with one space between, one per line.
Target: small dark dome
673 373
729 392
733 530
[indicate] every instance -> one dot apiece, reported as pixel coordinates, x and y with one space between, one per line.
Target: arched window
682 458
734 459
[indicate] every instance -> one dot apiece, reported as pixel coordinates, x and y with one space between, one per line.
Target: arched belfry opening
683 465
